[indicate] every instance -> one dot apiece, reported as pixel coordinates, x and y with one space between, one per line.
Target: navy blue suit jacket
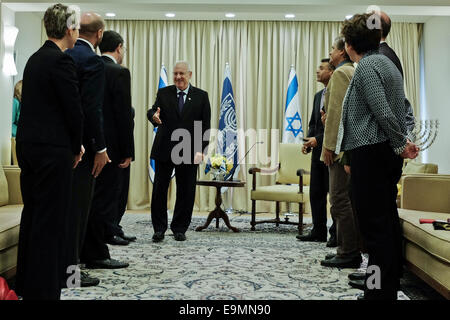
91 76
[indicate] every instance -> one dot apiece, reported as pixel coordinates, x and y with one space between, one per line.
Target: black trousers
318 191
103 210
45 181
376 169
186 178
105 205
123 199
82 193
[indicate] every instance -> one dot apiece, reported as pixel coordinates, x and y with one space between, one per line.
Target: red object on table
5 292
432 220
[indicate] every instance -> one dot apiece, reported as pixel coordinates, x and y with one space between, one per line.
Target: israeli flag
227 142
163 82
292 125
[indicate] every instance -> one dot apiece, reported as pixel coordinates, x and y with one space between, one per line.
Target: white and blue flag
292 125
227 142
163 82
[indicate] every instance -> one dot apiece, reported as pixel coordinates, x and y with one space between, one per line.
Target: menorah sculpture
425 133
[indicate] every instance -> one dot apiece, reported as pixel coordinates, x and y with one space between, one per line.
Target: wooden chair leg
277 211
253 222
300 217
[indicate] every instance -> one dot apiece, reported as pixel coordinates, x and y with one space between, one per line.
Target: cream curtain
260 54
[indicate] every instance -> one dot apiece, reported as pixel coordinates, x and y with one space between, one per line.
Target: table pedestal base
217 213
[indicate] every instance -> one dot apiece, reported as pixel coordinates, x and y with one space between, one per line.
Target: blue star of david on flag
292 125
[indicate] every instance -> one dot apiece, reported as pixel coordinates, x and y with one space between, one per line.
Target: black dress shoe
117 241
341 262
330 256
332 243
106 264
361 297
312 237
128 238
357 284
357 276
87 281
179 236
158 236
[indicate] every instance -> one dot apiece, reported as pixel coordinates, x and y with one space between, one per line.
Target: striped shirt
374 109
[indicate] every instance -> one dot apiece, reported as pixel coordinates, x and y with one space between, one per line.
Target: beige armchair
413 167
292 177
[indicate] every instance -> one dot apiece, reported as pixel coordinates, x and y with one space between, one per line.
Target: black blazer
388 52
91 75
117 112
196 108
51 105
316 127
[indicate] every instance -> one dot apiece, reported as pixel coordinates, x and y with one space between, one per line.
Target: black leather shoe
361 297
106 264
357 284
357 276
179 236
87 281
332 243
128 238
158 236
330 256
117 241
341 262
312 237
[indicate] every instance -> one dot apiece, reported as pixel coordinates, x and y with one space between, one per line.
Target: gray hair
58 18
185 63
340 45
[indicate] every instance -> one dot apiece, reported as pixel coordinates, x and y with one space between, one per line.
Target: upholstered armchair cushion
417 167
291 159
12 174
4 195
281 193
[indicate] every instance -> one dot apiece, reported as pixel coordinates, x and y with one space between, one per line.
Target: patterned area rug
218 264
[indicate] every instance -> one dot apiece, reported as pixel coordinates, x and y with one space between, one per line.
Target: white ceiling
306 10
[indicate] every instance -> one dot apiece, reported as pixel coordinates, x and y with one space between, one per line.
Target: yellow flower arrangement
220 162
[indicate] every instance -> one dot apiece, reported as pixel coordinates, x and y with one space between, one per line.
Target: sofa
427 251
10 212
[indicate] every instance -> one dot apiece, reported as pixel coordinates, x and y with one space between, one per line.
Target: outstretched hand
156 116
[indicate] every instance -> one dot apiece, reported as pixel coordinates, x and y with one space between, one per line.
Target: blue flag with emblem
227 142
163 82
292 125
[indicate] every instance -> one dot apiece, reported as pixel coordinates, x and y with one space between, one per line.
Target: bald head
91 27
385 25
91 23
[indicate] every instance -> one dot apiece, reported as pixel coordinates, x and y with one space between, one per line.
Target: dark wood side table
218 212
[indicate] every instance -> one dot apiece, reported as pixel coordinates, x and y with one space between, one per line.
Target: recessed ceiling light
348 17
289 16
170 15
110 14
230 15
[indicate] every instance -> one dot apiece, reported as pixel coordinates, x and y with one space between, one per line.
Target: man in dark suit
48 148
390 53
180 111
119 125
91 74
384 47
319 171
